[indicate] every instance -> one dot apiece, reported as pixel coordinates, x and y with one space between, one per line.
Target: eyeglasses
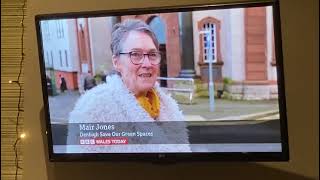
137 57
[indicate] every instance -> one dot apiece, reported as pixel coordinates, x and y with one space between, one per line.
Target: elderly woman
133 96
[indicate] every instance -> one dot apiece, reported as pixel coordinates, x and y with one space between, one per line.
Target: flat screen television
165 84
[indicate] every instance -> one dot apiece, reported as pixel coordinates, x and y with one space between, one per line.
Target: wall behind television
300 33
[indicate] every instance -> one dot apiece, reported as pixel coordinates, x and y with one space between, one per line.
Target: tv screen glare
201 82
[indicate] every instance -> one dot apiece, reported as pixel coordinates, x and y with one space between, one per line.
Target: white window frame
206 50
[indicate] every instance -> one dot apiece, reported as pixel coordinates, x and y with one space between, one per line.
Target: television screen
176 83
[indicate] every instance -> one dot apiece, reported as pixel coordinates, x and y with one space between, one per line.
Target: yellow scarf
150 103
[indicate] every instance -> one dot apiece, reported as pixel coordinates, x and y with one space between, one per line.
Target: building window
45 30
66 57
209 40
59 28
62 29
273 55
60 55
51 58
47 59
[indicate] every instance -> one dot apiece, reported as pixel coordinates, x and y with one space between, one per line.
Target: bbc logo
87 141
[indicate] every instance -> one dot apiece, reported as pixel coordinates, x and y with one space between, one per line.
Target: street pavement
233 111
61 105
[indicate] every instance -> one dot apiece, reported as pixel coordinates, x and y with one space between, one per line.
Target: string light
17 82
10 82
22 136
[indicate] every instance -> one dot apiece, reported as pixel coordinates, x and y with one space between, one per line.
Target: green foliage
199 86
201 90
181 99
98 78
226 95
203 94
227 81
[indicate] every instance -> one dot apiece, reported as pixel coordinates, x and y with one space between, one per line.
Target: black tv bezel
172 157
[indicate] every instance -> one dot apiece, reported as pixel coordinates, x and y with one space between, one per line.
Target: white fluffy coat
112 102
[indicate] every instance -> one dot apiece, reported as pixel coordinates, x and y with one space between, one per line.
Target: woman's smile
145 75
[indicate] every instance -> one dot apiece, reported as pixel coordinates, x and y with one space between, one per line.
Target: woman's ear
115 62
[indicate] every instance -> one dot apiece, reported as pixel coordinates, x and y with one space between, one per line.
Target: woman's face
139 79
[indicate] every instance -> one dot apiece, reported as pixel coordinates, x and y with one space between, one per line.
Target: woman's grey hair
121 30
